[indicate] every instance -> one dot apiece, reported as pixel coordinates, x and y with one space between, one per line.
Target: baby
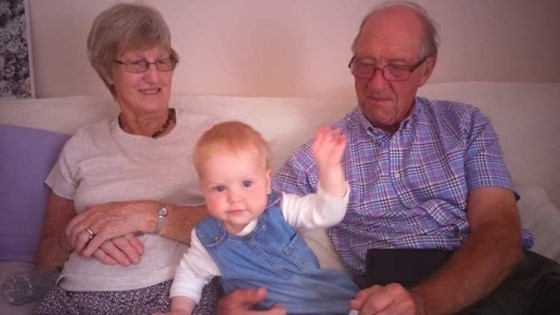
251 237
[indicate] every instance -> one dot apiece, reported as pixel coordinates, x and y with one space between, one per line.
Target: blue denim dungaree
276 257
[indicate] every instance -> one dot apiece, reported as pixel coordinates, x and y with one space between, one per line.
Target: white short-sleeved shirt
101 163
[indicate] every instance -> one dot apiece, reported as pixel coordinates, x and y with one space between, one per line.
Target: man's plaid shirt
408 189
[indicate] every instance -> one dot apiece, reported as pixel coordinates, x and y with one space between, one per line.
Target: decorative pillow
26 157
540 216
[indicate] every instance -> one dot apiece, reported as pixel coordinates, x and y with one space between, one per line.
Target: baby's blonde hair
233 136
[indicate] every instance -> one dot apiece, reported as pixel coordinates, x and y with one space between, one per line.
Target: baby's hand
328 147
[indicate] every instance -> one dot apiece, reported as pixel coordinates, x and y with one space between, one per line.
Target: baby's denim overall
276 257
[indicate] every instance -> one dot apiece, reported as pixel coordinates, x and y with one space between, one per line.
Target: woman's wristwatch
162 216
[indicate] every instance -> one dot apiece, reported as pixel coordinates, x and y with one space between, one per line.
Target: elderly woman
124 193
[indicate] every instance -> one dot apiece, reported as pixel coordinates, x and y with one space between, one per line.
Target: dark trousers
532 288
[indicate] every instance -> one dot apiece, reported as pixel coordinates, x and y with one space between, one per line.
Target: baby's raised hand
328 147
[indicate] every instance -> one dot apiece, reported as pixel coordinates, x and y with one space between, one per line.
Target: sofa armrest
540 216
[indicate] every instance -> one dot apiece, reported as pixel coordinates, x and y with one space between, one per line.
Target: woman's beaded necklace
163 128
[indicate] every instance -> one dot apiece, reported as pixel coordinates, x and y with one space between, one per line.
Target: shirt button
397 175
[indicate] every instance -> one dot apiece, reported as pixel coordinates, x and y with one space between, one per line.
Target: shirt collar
366 124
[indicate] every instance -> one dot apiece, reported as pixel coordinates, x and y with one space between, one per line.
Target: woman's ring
90 232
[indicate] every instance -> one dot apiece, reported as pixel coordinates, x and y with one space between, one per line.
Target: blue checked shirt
408 189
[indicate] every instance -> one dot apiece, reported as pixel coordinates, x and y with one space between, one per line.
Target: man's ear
427 69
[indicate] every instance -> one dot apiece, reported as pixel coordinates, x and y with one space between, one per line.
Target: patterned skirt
138 302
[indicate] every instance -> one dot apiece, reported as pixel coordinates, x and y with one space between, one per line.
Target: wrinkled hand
390 299
328 147
123 250
241 302
89 230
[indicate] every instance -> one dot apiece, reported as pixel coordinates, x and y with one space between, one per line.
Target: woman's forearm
49 252
53 248
180 221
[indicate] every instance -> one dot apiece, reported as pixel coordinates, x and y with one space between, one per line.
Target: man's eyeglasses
142 65
364 70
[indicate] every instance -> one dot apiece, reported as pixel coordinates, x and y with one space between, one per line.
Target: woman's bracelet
67 251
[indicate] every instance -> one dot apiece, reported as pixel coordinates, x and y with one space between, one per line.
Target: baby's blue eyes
222 188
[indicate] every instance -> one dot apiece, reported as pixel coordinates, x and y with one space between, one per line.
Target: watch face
162 212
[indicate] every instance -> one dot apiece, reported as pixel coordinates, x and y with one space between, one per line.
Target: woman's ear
107 78
268 177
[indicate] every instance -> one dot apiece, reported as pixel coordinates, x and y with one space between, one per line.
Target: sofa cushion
27 155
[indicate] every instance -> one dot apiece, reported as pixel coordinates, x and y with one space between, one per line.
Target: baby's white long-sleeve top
319 210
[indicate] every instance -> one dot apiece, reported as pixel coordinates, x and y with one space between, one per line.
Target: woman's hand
123 250
118 221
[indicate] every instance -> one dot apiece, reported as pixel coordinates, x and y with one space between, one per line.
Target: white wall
298 47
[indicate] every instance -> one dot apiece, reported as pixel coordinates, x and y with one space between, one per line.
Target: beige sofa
524 115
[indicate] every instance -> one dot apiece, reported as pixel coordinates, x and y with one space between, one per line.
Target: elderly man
425 175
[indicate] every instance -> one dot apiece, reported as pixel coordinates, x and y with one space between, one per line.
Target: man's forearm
473 272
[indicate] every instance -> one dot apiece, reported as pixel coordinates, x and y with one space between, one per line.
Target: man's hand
390 299
241 302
